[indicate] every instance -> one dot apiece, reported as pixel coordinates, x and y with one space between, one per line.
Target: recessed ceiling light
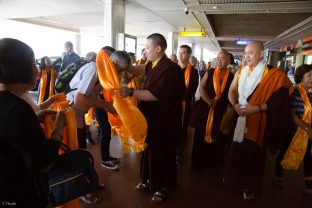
214 7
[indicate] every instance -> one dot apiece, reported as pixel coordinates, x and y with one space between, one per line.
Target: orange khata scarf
218 88
187 75
130 123
70 131
298 146
43 84
271 82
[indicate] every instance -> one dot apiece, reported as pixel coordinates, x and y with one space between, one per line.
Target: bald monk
209 142
161 104
260 96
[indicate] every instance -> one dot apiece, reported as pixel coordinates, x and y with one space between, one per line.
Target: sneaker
110 164
116 159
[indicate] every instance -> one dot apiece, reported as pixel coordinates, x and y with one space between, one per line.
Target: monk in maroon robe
260 95
209 153
191 84
161 104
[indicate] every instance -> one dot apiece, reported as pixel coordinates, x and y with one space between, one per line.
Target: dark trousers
278 168
104 132
81 133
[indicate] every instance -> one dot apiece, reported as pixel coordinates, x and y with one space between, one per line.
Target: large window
44 41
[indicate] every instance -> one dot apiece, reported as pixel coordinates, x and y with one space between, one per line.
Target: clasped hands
245 109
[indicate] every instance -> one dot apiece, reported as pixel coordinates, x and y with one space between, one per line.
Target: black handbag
72 175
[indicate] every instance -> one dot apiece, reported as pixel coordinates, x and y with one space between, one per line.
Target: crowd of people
241 114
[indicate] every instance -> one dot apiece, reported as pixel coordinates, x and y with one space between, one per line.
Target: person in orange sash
300 102
209 142
160 103
191 84
47 76
260 96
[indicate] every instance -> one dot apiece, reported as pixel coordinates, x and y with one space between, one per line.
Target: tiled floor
196 189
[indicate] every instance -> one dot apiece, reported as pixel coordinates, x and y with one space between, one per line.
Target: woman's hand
60 122
43 113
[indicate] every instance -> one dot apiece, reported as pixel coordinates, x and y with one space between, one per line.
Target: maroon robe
245 167
189 98
166 83
205 155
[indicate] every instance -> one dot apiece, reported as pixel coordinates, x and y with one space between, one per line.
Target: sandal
158 197
141 187
248 195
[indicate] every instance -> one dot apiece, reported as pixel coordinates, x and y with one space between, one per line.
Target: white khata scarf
246 85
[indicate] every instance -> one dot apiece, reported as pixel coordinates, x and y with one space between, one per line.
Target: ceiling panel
254 24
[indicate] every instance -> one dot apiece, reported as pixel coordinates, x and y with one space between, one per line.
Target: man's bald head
254 53
223 59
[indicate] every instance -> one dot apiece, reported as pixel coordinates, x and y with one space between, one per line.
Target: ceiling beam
305 25
247 8
48 23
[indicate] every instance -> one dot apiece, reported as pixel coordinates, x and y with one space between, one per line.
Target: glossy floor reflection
196 189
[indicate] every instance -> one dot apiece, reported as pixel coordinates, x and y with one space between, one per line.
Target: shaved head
254 53
257 45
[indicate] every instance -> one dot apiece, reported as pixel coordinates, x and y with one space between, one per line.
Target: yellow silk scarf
43 84
70 130
219 88
130 123
298 146
187 75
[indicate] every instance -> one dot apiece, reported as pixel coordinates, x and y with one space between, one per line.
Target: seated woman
24 150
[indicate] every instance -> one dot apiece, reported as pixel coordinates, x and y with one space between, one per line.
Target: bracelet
131 92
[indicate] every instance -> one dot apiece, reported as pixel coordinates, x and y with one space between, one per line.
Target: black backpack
64 78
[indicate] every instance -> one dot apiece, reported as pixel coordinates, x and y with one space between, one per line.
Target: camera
186 10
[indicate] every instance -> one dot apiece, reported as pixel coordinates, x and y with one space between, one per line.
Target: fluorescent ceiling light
193 34
243 42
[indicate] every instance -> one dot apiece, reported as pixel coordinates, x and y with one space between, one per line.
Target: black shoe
110 164
90 141
116 159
